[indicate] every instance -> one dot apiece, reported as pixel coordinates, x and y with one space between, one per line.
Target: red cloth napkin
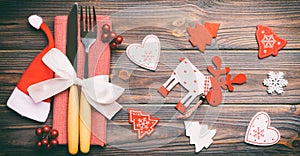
99 64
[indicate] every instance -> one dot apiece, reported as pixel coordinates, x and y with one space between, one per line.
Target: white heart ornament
145 55
259 131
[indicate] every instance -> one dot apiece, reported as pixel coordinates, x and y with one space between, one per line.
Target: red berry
113 45
48 146
119 39
54 133
106 28
105 37
39 131
45 141
54 142
46 129
113 35
39 144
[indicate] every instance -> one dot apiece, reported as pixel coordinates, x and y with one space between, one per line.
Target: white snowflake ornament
275 82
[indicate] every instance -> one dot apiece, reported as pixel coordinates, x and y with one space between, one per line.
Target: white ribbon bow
99 92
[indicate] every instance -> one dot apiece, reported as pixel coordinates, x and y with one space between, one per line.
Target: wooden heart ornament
269 43
259 131
147 54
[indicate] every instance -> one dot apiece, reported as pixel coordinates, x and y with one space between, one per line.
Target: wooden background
236 44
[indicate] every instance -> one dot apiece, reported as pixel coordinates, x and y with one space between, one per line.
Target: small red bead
48 146
54 134
45 141
46 129
106 28
113 35
39 131
119 39
105 37
113 45
54 142
39 144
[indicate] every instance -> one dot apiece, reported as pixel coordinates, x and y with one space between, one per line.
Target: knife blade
72 32
73 102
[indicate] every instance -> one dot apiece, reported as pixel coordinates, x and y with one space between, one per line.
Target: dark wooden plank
141 85
230 121
238 21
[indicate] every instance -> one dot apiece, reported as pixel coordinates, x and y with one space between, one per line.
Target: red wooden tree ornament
142 123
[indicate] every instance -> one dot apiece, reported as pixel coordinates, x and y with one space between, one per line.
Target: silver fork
88 35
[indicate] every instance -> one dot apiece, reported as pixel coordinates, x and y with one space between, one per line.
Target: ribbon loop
98 91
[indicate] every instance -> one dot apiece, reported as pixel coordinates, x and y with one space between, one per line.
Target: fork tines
89 26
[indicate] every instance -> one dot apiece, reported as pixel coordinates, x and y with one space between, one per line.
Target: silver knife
73 102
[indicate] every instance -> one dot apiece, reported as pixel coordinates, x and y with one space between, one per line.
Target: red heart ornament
259 131
269 43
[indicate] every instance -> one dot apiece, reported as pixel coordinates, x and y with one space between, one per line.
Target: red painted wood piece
269 43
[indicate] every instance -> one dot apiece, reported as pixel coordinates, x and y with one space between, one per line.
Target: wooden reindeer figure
214 96
190 78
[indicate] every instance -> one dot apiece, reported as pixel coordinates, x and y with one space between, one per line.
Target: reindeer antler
238 79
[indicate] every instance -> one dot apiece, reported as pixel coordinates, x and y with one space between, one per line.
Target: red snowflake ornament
269 43
142 123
